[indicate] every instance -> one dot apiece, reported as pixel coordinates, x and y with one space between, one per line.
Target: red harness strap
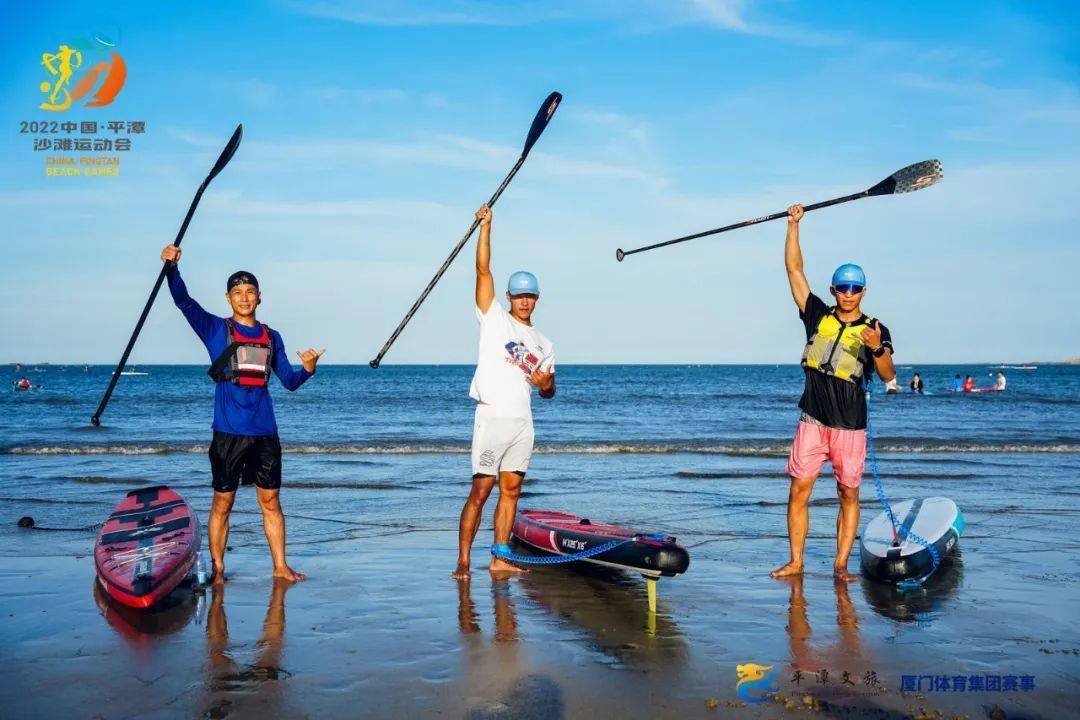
246 361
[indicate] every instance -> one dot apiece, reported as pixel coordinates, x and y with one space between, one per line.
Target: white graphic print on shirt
509 353
520 356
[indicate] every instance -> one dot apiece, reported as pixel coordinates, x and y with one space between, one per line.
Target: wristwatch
879 352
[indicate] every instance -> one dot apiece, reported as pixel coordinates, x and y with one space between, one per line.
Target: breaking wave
753 448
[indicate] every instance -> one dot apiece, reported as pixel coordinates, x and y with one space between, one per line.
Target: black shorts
245 459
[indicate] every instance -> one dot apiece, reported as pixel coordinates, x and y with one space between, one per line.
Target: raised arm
203 323
485 285
800 289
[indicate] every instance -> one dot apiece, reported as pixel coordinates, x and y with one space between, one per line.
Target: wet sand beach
381 630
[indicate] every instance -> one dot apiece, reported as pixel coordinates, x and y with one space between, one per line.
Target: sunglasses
848 289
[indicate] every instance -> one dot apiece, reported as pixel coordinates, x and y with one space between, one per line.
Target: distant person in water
842 351
969 384
514 357
245 449
1000 384
957 383
916 384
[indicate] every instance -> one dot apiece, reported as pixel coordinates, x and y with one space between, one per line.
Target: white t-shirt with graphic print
510 352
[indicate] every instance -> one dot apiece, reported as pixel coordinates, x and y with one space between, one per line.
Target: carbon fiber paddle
222 161
539 123
913 177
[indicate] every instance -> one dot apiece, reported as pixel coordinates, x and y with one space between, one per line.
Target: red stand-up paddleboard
147 547
560 533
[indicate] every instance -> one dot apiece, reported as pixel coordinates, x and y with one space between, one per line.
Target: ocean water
649 445
376 468
396 440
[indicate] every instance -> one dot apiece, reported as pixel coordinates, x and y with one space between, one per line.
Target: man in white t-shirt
514 357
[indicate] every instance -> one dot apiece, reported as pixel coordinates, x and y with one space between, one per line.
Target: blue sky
374 129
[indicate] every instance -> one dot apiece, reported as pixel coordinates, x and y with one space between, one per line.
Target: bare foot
792 568
841 573
461 572
498 565
287 573
217 574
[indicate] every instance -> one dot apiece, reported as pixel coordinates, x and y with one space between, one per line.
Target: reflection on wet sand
468 620
917 605
612 608
841 674
139 627
497 684
502 607
258 684
845 655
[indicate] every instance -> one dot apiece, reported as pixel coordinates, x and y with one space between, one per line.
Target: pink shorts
814 444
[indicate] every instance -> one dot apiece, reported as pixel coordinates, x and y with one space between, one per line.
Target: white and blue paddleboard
936 520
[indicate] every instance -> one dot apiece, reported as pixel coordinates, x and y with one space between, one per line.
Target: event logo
757 683
84 72
101 81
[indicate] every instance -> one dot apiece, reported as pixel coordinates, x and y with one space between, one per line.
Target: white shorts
500 443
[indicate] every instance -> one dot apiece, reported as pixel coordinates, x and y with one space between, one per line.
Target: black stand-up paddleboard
562 536
560 533
896 557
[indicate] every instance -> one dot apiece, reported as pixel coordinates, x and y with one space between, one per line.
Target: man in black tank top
844 348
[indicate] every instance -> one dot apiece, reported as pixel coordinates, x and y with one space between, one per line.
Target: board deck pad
883 557
147 547
561 533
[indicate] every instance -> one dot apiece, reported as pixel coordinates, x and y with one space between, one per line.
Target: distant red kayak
147 547
564 534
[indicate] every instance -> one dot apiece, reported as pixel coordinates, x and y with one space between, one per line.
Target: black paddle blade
227 153
540 122
909 179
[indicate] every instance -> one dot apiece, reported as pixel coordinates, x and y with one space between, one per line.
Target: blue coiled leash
503 551
911 534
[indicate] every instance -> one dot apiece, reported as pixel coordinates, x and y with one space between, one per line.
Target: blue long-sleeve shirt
237 410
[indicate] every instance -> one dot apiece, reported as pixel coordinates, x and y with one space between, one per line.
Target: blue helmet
848 274
523 283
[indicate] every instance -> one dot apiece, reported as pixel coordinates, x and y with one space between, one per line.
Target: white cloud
452 151
460 12
633 15
724 13
633 129
361 95
235 203
253 91
203 140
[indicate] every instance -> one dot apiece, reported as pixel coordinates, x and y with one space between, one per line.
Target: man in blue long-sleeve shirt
245 449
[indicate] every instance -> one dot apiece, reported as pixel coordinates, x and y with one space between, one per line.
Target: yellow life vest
835 347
